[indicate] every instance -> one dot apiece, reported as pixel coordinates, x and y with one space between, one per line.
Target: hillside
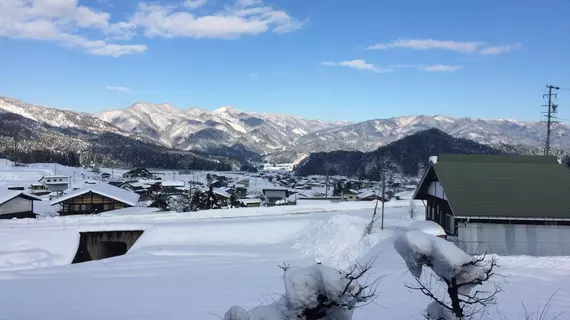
26 140
405 156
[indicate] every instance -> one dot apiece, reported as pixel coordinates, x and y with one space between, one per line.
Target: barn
508 205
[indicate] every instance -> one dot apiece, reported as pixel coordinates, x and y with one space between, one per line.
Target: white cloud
119 89
440 68
356 64
93 31
60 21
457 46
194 4
245 17
495 50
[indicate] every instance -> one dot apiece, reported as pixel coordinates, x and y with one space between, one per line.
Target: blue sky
320 59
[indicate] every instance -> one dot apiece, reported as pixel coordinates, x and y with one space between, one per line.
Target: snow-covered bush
458 271
313 293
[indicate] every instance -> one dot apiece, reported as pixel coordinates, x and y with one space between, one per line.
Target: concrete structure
55 183
273 196
99 245
16 204
508 205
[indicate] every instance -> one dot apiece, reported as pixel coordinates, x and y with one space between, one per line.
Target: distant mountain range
407 156
228 132
36 134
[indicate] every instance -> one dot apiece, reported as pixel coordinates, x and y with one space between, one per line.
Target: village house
254 202
95 198
39 189
55 183
371 196
275 196
349 194
138 173
16 204
512 205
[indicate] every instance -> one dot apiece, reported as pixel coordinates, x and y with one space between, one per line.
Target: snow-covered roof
222 193
7 195
248 201
105 190
173 183
131 210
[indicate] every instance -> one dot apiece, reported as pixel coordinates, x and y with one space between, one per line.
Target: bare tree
463 303
460 273
412 209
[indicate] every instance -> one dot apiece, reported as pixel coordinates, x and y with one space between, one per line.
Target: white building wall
508 239
16 205
436 189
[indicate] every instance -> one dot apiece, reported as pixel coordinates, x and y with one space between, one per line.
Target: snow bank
41 248
337 241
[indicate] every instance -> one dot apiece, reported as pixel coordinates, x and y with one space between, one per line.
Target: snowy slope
197 269
56 117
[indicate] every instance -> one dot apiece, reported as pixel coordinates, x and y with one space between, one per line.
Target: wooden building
16 204
94 199
509 205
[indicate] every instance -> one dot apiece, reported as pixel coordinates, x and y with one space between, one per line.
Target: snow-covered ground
197 265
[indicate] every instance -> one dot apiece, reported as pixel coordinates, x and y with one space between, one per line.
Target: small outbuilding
508 205
16 204
95 198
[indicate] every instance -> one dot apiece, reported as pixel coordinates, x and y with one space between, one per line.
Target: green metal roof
479 158
504 186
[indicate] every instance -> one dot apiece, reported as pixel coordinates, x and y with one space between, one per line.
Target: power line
550 114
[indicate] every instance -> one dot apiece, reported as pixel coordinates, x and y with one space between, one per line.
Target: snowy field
197 265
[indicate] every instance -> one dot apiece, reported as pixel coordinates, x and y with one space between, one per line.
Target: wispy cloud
428 44
118 89
494 50
457 46
440 68
194 4
356 64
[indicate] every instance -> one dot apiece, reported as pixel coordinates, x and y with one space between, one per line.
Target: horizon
482 60
348 122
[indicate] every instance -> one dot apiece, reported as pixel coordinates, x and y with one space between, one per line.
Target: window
60 179
106 207
450 224
48 180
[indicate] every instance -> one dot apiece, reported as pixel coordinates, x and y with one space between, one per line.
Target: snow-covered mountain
279 138
57 117
372 134
196 129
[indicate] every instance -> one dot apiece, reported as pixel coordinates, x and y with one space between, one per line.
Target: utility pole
550 115
383 199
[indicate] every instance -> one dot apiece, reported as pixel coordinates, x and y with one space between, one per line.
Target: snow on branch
457 270
314 293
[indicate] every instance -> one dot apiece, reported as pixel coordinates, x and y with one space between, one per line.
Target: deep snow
196 267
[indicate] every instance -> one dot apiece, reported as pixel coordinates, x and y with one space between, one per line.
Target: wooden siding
90 203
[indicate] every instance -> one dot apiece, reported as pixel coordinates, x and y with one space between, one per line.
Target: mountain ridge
231 132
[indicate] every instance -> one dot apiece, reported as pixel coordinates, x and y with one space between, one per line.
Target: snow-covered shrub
457 270
313 293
